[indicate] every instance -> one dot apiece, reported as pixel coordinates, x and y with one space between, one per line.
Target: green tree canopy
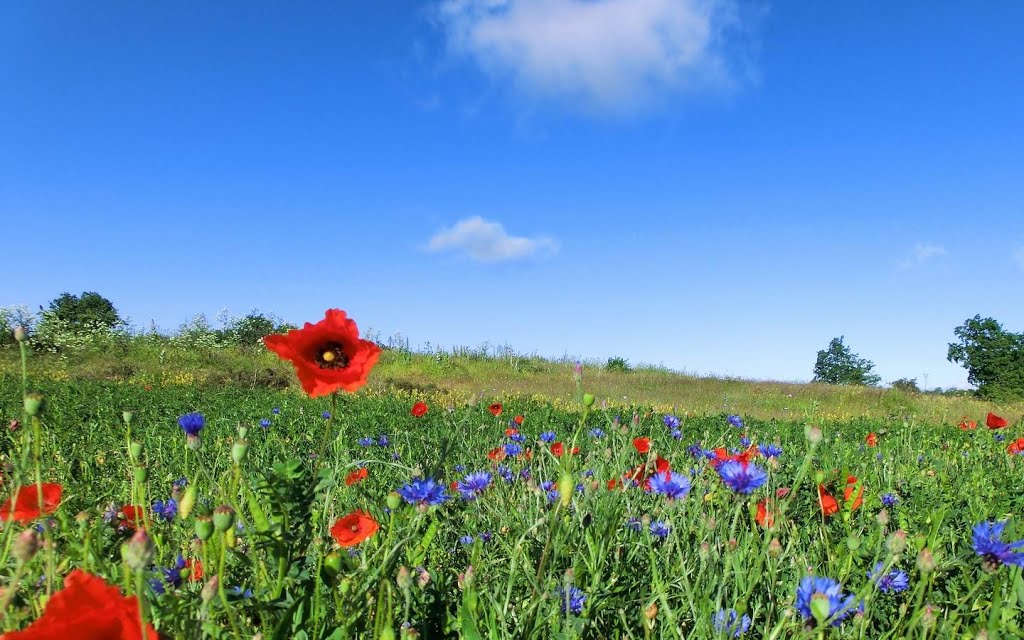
88 311
993 357
837 364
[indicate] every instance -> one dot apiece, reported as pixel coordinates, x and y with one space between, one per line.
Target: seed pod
204 527
26 545
128 415
138 551
35 404
239 450
223 518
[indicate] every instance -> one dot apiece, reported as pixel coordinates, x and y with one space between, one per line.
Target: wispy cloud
1018 255
599 55
923 253
486 241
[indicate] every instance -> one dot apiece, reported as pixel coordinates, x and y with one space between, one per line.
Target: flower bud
128 415
394 500
141 475
813 434
565 488
35 404
210 589
204 527
466 579
588 399
187 501
223 518
925 561
897 541
424 578
26 545
193 442
883 517
238 451
138 551
775 548
650 613
14 426
20 335
242 432
820 607
332 564
135 450
404 578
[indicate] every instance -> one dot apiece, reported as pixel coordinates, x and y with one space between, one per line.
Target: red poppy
497 454
992 421
354 528
511 431
518 420
87 608
871 440
642 445
356 476
130 516
966 424
495 409
827 502
528 454
613 483
25 507
1016 447
851 484
557 449
328 355
764 516
195 569
419 409
148 387
639 474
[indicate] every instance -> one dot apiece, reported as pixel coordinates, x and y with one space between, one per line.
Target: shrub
616 363
907 385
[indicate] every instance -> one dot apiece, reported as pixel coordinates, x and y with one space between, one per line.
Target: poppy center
355 528
331 356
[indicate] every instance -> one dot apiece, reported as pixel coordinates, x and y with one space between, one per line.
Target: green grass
288 489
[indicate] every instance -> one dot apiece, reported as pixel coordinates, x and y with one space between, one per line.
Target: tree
88 311
993 357
836 364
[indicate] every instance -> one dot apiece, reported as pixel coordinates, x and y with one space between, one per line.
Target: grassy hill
455 378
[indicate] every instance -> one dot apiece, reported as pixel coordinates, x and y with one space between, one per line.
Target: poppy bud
35 403
128 415
404 578
238 451
394 500
26 545
424 578
141 475
223 518
820 607
332 564
135 450
925 561
20 335
204 527
650 613
138 551
187 501
813 434
775 548
897 542
588 399
210 589
242 432
928 617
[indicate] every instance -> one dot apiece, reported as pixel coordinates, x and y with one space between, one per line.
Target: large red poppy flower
24 507
765 515
354 528
356 476
130 516
992 421
558 449
851 483
328 355
87 608
1016 447
518 420
828 503
495 409
497 454
642 445
419 409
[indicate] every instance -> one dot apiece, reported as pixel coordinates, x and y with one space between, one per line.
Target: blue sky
716 187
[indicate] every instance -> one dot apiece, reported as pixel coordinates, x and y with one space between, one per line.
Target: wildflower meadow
180 511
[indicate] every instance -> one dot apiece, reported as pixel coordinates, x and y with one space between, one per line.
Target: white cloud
604 55
923 253
486 241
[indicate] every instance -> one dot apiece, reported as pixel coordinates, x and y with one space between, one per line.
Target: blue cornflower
741 478
671 421
547 485
633 524
110 513
165 510
744 441
382 441
894 581
770 450
353 552
672 486
395 455
505 473
735 421
275 410
265 423
553 496
548 437
467 540
485 536
238 591
729 622
423 491
709 454
192 424
840 605
460 468
597 432
676 434
589 473
180 483
660 529
525 473
890 499
998 437
994 552
367 442
513 449
157 585
517 437
571 599
474 484
326 415
695 450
